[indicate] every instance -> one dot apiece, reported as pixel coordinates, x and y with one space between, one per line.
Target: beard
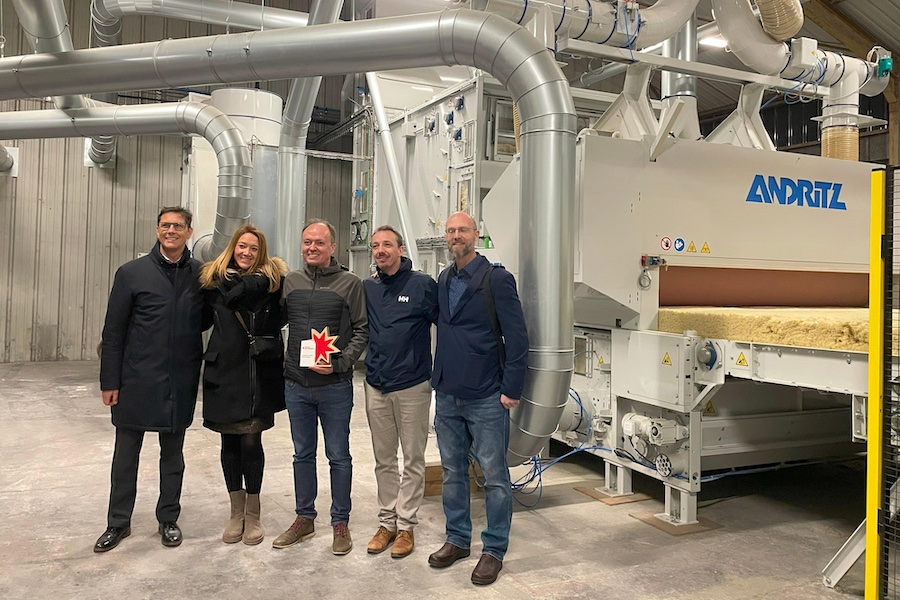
460 251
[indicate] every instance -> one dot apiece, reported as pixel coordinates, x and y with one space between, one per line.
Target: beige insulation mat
831 328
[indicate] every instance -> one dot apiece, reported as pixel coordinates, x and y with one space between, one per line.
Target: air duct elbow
781 19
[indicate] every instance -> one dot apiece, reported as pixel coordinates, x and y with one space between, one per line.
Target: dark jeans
123 490
331 405
482 427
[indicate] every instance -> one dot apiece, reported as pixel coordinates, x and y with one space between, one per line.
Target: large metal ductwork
616 24
227 13
106 30
680 87
456 37
46 26
292 159
232 153
781 19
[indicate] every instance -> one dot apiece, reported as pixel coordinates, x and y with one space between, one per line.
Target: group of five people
151 355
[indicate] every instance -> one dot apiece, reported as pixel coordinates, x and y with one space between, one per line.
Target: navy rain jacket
401 308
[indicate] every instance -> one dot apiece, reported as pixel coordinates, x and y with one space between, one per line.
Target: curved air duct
781 19
215 12
601 22
457 37
232 154
46 26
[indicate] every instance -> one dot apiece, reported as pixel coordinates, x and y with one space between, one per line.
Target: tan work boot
342 542
253 531
301 529
382 539
235 528
403 545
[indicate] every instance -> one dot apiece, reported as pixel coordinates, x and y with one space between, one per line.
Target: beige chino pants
399 417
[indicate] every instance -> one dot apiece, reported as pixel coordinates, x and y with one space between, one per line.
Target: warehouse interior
691 194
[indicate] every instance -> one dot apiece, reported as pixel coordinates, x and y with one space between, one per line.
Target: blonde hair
217 270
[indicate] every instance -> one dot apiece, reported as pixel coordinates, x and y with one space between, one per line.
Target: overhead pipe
621 24
488 42
232 153
847 76
292 159
46 26
213 12
390 158
612 69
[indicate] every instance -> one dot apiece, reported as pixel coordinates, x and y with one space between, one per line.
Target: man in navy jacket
478 378
402 305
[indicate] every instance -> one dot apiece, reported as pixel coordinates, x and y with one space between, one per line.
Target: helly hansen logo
402 298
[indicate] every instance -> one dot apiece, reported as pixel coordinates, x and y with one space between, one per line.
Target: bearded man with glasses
149 371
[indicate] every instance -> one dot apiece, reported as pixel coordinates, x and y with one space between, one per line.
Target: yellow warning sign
599 361
710 409
705 248
667 360
691 247
741 361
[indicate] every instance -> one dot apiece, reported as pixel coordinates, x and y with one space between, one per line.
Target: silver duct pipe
232 153
679 86
292 159
214 12
106 31
390 157
46 26
485 41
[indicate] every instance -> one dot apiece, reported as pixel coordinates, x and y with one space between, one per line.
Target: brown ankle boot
235 528
253 531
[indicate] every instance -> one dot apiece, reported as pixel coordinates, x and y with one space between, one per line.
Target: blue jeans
332 404
481 426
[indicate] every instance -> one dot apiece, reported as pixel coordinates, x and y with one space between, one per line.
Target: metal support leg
618 480
846 557
681 507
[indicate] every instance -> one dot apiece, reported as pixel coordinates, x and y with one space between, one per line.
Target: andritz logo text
802 192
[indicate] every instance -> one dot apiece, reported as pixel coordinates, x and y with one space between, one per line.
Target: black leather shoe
171 534
447 555
111 538
486 570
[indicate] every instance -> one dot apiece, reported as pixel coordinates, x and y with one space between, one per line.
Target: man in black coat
149 371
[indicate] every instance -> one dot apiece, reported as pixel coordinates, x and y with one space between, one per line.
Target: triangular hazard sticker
741 361
710 409
666 360
599 361
691 247
705 248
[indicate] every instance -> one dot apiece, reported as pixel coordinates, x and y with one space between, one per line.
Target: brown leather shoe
447 555
381 540
404 544
486 570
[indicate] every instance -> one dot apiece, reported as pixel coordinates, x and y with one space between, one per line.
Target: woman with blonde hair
243 381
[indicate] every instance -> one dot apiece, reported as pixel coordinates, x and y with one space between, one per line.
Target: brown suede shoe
486 570
404 544
301 529
447 555
382 539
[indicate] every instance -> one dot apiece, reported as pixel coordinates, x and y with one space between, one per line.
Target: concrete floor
778 530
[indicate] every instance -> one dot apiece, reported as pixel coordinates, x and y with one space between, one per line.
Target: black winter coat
237 387
151 347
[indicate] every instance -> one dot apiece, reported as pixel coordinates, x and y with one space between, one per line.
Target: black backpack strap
492 312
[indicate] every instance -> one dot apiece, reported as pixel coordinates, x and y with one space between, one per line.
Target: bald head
461 233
